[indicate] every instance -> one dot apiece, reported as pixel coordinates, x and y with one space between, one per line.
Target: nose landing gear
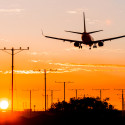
94 46
89 47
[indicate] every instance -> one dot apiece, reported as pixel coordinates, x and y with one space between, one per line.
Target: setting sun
4 104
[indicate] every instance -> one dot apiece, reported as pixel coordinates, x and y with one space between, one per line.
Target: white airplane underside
86 38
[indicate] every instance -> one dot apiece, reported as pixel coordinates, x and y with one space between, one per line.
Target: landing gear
80 47
94 46
89 47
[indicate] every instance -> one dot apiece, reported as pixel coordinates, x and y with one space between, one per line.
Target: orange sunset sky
21 22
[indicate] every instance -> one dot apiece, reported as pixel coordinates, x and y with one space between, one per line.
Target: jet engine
76 44
100 44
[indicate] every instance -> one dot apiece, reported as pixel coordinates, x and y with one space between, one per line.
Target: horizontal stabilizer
82 33
73 32
95 31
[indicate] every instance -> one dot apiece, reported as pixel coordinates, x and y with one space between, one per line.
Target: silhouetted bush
81 105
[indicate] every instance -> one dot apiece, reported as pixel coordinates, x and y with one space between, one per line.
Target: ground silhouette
77 111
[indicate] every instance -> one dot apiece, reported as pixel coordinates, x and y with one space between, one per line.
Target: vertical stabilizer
84 22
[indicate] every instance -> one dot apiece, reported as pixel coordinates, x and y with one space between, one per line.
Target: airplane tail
84 22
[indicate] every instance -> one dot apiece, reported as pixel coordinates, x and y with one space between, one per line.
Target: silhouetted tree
84 104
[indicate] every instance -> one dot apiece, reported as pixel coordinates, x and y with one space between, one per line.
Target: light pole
100 92
12 53
77 92
122 97
45 72
45 88
64 87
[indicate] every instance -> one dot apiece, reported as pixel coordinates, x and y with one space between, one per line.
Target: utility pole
45 83
100 91
45 88
34 108
52 95
64 87
12 53
77 92
45 72
30 99
51 98
122 97
47 101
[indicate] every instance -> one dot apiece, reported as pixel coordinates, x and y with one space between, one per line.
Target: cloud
11 10
90 67
22 72
69 67
77 11
35 61
32 71
72 12
38 53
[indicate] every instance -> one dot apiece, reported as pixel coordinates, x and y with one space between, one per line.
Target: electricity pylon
13 50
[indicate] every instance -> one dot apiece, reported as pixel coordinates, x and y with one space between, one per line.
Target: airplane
86 38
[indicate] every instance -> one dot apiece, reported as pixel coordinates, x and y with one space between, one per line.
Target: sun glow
4 104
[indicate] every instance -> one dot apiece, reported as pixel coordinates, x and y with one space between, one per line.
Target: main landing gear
80 47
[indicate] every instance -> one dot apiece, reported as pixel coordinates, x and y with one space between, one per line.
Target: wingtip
42 32
65 30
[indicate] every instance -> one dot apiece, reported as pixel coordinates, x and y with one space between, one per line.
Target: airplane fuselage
87 39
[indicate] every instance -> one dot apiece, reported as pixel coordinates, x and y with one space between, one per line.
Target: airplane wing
109 39
63 39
